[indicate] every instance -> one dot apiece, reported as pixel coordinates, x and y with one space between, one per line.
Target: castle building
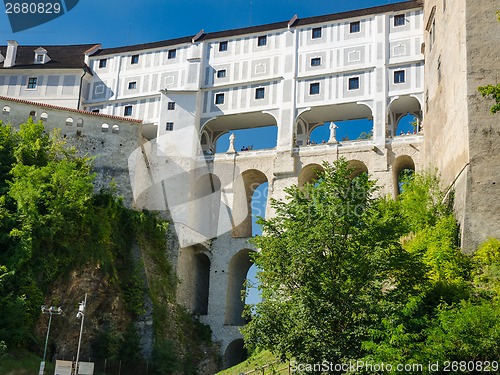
424 58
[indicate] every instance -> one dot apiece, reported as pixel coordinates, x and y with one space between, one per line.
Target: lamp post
80 314
48 310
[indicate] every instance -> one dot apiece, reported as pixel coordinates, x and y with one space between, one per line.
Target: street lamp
80 314
48 310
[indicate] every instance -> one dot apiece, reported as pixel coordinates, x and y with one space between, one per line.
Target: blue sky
117 23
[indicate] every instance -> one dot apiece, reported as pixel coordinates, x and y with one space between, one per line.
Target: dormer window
41 56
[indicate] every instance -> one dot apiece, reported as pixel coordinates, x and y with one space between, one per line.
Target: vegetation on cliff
348 275
60 239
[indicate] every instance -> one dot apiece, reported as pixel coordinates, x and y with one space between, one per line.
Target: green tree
331 264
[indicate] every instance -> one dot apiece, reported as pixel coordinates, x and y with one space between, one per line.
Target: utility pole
80 314
48 310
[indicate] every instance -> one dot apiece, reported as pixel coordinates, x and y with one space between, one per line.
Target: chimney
10 59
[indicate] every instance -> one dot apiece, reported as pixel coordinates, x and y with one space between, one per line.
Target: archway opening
404 116
339 122
358 168
252 131
235 353
202 283
237 274
309 174
403 169
407 124
250 201
193 270
205 197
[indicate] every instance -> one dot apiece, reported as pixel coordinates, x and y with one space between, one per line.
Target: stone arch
206 199
358 166
237 272
401 163
218 126
235 353
320 117
194 273
243 189
301 135
309 173
398 108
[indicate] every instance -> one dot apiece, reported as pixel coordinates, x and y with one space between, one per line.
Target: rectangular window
39 58
354 83
316 61
103 63
399 76
219 98
127 111
172 53
223 46
95 111
262 40
316 33
134 59
171 106
32 82
314 88
355 27
221 73
132 85
260 93
399 20
169 126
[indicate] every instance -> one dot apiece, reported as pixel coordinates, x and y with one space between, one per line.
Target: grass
22 362
255 363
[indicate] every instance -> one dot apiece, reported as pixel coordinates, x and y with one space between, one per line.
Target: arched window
116 128
69 121
79 123
104 127
44 116
6 110
33 115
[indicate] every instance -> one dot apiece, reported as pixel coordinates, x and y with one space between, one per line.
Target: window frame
262 41
223 46
352 80
132 85
316 33
32 83
103 63
401 73
172 54
315 59
260 93
128 110
314 88
39 58
169 126
171 106
221 73
398 18
134 59
219 98
354 27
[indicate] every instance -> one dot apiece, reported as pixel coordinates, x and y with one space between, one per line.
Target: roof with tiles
395 7
61 57
50 106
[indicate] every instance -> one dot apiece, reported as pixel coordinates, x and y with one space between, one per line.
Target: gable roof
62 57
